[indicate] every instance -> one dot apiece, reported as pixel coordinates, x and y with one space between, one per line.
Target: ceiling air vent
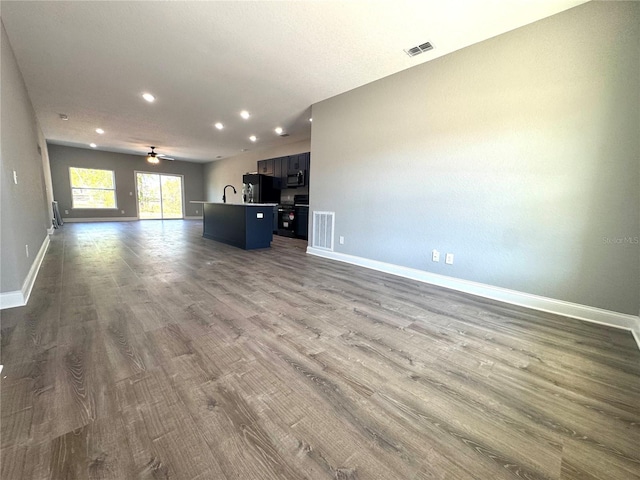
412 52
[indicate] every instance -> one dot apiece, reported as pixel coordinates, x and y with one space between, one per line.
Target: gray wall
520 155
230 170
62 157
24 210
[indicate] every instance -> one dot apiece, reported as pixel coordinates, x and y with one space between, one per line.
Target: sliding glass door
159 195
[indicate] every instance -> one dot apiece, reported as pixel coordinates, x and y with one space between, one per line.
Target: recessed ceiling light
93 145
311 119
100 131
279 130
219 126
244 114
148 97
253 138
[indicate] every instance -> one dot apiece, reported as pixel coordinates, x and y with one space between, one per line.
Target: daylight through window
92 188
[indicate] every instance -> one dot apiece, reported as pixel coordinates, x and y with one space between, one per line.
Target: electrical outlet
435 256
449 259
26 248
341 240
197 212
66 212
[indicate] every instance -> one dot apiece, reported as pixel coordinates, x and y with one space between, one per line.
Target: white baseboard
27 286
192 217
50 230
536 302
100 219
11 299
19 298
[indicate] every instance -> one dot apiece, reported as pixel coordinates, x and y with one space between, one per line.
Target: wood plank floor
149 352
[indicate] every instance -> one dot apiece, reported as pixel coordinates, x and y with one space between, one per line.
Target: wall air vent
323 230
425 47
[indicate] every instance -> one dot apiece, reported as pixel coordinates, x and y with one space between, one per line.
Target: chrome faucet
224 193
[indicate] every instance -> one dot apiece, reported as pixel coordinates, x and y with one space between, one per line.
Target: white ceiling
207 61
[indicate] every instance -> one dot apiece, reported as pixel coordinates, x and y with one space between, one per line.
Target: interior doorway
159 195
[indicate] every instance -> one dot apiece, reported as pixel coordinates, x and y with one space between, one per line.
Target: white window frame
115 196
184 205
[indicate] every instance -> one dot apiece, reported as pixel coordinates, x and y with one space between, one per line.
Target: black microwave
296 179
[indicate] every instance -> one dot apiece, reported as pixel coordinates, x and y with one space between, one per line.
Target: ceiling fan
153 157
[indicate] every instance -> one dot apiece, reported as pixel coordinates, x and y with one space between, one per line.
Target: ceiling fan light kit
154 158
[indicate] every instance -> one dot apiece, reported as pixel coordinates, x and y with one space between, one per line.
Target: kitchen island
243 225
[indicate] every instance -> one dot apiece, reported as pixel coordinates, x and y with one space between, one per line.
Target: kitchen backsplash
287 194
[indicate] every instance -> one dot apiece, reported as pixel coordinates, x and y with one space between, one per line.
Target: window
92 188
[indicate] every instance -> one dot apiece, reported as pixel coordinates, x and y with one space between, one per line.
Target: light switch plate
260 215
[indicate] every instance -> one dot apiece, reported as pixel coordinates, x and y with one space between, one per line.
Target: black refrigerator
262 189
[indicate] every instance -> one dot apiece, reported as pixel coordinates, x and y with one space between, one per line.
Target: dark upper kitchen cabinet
266 167
275 167
286 167
282 166
280 170
293 163
298 162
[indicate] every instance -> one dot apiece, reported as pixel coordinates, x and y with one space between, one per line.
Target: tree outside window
92 188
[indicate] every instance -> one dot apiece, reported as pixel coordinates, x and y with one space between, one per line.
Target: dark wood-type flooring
149 352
